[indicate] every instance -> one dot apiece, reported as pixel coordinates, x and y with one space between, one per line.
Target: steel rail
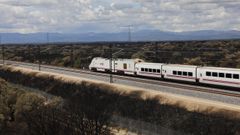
138 79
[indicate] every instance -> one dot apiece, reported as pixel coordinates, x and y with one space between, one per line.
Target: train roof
149 63
113 58
100 58
180 65
128 59
221 68
120 59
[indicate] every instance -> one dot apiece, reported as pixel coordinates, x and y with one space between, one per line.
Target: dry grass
188 103
122 132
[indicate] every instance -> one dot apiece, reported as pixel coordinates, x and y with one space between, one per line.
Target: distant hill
144 35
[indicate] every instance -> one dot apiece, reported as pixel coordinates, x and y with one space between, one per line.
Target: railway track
190 87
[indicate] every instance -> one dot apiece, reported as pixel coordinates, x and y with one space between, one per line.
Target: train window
235 76
214 74
146 69
190 74
221 75
150 70
174 72
142 69
154 70
185 73
125 66
158 71
179 72
208 73
228 75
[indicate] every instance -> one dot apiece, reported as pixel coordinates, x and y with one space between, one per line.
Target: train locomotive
229 77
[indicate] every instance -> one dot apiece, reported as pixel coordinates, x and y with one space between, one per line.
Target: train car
180 72
125 66
149 69
219 76
100 64
121 66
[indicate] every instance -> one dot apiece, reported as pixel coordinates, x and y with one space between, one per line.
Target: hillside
143 35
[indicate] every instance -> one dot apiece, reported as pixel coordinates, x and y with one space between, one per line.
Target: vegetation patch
19 108
27 113
101 101
219 53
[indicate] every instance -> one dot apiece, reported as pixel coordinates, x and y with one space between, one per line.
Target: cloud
109 16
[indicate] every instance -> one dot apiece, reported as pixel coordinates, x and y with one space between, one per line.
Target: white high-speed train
190 73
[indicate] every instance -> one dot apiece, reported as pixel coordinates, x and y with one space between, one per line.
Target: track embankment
181 113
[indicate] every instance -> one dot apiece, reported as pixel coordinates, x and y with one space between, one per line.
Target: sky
81 16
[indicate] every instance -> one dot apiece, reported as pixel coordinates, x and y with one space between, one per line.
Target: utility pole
29 55
71 56
110 63
129 33
156 52
3 50
47 38
39 53
39 58
3 54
